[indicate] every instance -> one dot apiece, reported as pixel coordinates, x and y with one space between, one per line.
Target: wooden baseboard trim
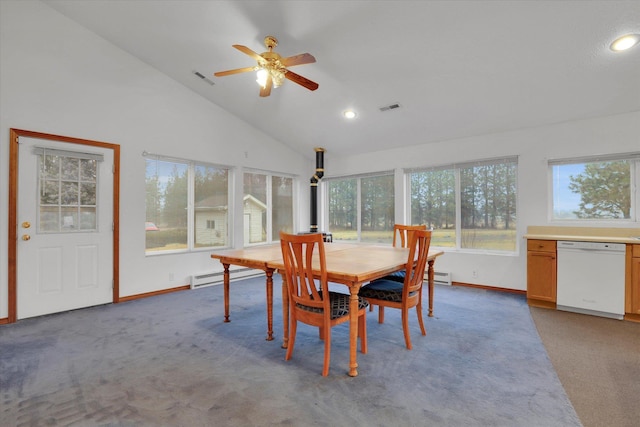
489 288
632 317
541 304
154 293
4 321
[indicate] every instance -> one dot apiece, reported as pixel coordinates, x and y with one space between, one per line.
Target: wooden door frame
14 136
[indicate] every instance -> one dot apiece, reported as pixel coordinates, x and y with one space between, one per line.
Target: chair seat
339 305
383 289
398 276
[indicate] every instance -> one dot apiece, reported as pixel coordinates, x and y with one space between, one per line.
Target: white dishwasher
591 278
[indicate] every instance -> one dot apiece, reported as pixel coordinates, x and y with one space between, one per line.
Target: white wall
534 146
58 78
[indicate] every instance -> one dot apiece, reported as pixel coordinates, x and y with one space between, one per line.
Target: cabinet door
635 285
541 276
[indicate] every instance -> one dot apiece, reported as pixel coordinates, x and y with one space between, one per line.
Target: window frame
324 217
191 220
269 196
456 168
634 188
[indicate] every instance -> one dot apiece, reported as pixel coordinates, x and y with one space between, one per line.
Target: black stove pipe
314 189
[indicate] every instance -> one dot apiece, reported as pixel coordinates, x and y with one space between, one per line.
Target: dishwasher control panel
594 246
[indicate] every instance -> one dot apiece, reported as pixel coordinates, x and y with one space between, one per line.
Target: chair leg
419 310
405 327
292 338
362 332
380 314
371 307
327 351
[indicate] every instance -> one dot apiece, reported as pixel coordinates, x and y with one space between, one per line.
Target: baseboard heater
440 278
209 279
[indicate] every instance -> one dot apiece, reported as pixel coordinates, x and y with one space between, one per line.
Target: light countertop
584 234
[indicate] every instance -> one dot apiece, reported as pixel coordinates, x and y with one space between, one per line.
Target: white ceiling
456 68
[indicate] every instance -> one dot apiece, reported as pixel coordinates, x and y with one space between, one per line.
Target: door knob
26 237
26 224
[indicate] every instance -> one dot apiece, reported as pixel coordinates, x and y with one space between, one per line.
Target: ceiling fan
272 68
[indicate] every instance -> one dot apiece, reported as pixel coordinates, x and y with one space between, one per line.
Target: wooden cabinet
632 297
541 273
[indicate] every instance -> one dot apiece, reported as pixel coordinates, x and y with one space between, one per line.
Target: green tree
175 198
604 189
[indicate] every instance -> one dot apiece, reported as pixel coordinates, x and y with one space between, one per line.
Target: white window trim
191 164
635 190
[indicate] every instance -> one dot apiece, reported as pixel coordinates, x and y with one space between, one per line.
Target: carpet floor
170 360
598 362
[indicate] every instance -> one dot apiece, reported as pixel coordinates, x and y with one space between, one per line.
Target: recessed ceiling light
349 114
625 42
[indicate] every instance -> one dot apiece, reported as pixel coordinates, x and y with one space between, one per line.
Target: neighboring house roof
219 202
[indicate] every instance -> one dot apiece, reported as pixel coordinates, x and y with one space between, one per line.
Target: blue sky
563 198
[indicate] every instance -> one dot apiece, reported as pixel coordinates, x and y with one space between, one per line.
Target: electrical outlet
474 273
171 277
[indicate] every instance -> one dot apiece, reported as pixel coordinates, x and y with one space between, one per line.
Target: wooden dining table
349 264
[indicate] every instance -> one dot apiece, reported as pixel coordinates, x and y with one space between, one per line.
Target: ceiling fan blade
249 52
303 58
266 90
236 71
302 81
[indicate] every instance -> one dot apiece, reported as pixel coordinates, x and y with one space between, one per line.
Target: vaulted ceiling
454 68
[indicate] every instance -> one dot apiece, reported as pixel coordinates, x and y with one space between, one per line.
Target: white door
65 221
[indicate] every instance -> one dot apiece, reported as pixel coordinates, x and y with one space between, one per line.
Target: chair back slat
300 254
402 234
418 252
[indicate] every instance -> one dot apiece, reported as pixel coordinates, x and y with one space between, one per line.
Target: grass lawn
500 240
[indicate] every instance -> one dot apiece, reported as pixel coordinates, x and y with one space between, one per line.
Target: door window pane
67 193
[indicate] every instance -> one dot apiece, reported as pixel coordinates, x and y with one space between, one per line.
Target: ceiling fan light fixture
262 77
625 42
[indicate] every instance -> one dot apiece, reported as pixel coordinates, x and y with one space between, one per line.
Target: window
68 183
268 207
185 200
469 206
361 208
592 189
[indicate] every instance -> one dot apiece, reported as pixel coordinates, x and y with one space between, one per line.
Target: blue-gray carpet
170 360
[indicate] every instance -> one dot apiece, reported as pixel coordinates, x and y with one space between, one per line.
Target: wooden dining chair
401 238
310 300
407 294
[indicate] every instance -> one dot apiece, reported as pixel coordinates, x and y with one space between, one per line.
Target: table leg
353 331
269 273
431 280
285 312
226 293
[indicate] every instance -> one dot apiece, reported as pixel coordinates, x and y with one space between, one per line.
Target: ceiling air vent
390 107
203 78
